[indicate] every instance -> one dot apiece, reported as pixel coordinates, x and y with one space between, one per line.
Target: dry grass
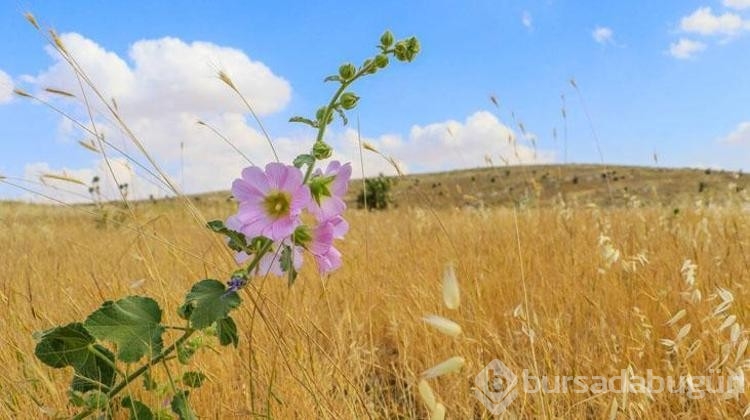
353 345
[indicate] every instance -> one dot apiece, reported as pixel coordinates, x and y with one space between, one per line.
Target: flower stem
143 369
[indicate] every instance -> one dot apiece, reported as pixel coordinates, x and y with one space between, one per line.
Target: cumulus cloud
527 20
740 135
685 48
737 4
603 35
6 88
703 21
450 145
163 88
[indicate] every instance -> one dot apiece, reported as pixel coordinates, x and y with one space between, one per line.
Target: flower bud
347 71
381 60
321 150
400 51
349 100
387 39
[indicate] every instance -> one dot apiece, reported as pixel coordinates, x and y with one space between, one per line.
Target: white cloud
6 88
603 35
449 145
161 92
740 135
527 20
686 48
737 4
703 21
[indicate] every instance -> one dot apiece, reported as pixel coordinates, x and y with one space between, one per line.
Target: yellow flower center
277 204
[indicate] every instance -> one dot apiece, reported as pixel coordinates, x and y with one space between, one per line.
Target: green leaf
332 78
342 115
237 240
180 406
226 329
304 120
287 264
132 323
72 345
138 410
303 160
210 302
193 379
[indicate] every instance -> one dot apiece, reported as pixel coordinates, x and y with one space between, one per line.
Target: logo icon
496 387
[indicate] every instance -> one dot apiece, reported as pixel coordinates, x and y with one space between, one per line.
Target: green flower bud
413 47
349 100
387 39
381 60
322 151
400 51
347 71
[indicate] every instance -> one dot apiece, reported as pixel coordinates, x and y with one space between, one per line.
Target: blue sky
655 77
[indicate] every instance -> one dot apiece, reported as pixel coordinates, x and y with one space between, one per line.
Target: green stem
329 109
133 376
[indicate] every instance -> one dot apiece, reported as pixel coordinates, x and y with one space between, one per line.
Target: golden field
540 290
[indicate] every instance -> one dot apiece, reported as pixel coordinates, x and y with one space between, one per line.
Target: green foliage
207 302
377 193
138 410
180 406
226 330
193 379
132 324
237 241
72 345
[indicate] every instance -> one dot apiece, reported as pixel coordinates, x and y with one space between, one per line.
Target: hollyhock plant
271 201
284 212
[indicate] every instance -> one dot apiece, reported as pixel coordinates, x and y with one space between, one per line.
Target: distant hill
554 185
551 185
547 185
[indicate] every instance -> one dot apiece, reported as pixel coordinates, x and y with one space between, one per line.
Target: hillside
549 185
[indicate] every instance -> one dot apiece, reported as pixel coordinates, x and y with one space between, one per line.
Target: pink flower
321 247
329 189
271 202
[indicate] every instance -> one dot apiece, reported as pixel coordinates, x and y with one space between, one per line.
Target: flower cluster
282 214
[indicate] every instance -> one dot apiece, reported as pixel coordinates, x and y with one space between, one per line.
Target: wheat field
557 291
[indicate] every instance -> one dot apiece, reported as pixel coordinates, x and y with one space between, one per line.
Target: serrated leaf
72 345
210 302
193 379
180 406
303 160
138 410
132 323
226 329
